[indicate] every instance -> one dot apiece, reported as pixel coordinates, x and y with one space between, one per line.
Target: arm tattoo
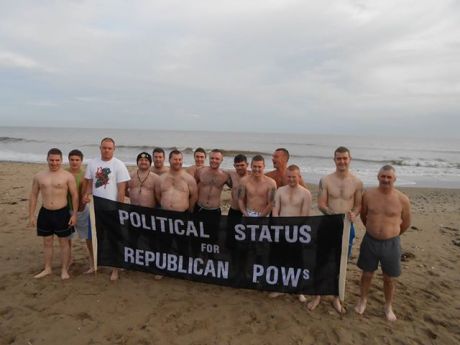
272 196
241 192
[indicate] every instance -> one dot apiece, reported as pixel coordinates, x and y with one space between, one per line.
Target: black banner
286 254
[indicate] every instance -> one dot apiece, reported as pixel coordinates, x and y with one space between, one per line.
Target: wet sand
89 309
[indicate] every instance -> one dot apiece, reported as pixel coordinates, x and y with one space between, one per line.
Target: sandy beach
89 309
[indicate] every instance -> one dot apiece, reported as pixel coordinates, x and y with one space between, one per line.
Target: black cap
144 155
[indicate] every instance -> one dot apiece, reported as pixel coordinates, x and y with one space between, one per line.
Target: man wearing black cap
141 186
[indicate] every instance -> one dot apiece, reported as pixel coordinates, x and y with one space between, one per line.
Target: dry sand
89 309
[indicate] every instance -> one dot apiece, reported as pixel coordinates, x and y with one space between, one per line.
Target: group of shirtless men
384 211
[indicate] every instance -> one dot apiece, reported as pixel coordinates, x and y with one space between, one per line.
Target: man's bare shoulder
191 169
244 180
325 180
269 181
187 177
356 180
282 190
371 192
272 174
304 190
403 197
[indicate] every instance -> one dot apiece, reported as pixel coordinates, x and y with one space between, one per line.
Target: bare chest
343 190
213 179
176 183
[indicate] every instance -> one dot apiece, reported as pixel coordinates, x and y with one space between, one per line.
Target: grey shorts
387 252
83 226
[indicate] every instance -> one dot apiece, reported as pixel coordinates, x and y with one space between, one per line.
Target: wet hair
54 151
76 153
285 151
342 149
258 158
387 167
199 149
174 152
240 158
108 139
158 150
293 167
217 151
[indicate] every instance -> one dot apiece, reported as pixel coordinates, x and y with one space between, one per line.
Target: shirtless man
280 159
107 177
256 193
292 200
199 155
386 215
83 225
339 192
141 187
54 217
211 181
176 190
240 163
159 156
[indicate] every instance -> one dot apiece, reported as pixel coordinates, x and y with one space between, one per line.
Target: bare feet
313 304
64 275
44 273
275 294
89 271
361 306
338 306
389 314
302 299
114 275
157 277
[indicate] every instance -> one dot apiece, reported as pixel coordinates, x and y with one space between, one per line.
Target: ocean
419 162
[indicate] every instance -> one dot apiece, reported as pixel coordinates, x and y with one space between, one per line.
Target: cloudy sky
350 66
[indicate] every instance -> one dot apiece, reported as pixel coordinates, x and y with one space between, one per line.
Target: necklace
141 182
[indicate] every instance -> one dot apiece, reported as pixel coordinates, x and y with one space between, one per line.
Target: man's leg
89 245
389 291
314 303
114 274
366 280
64 243
48 256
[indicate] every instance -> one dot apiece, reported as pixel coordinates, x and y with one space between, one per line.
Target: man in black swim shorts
54 218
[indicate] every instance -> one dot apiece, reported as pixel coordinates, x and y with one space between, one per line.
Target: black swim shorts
54 222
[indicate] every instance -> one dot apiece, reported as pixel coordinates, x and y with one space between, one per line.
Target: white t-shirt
105 176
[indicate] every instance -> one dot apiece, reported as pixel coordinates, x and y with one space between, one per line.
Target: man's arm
277 206
121 191
242 198
72 187
81 194
33 201
363 213
157 190
306 205
405 214
357 199
270 200
193 196
89 190
322 198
